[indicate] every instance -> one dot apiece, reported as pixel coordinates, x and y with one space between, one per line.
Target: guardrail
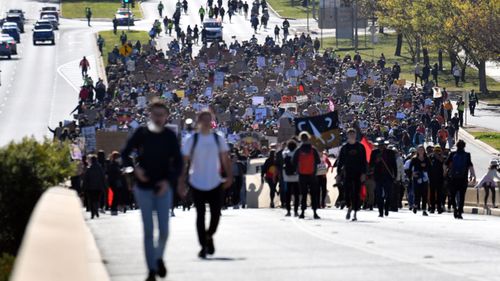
57 244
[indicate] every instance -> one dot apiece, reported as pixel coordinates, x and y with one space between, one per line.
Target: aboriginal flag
324 129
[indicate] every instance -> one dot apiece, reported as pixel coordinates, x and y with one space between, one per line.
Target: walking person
277 33
306 159
321 172
116 182
383 164
418 73
160 9
291 179
489 184
436 181
270 174
159 164
352 165
435 73
94 184
473 101
100 43
115 25
206 151
419 168
458 167
461 110
457 72
84 66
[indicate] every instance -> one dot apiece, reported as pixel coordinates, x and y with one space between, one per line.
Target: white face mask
152 127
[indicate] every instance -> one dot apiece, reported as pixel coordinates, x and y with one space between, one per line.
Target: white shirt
204 171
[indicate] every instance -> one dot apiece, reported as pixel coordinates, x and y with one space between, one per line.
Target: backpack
306 163
288 166
459 165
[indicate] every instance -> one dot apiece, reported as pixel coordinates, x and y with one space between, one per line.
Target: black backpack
289 167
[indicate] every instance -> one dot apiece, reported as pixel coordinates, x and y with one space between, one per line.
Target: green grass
387 45
111 40
490 138
100 8
285 8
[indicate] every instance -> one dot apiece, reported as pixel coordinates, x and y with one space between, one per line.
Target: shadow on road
224 259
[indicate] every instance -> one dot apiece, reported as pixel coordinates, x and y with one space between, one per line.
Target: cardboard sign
351 73
287 99
260 114
357 99
261 62
301 99
110 141
180 93
258 100
89 134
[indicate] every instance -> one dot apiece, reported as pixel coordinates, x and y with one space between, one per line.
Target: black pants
309 184
214 200
436 195
383 190
421 193
458 188
322 191
94 197
352 188
236 190
272 189
472 107
119 197
292 188
487 189
461 118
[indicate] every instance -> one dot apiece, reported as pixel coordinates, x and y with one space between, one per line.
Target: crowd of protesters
401 141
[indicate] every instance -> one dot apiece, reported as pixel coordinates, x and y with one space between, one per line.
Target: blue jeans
148 202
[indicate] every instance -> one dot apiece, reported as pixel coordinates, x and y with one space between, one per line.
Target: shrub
27 168
6 264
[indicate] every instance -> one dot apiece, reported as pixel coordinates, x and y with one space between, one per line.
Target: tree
475 27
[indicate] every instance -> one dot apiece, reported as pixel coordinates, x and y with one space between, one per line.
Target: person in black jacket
419 169
159 165
306 159
436 177
270 173
352 165
94 183
383 164
116 182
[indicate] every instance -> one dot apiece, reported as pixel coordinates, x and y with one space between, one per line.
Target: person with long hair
269 174
419 167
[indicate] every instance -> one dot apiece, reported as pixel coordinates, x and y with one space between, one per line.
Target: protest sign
89 134
110 141
258 100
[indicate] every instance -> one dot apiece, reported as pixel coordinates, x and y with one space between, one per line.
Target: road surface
261 244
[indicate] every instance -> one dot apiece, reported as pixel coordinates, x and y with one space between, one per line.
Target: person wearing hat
383 164
436 180
488 182
306 159
458 167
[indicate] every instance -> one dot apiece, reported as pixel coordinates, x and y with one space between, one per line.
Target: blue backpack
459 165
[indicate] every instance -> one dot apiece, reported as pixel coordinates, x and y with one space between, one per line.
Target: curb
101 71
467 136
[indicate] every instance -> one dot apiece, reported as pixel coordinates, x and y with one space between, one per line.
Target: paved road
38 86
261 244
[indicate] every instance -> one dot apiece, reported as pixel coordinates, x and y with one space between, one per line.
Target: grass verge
289 9
110 40
490 138
387 45
102 9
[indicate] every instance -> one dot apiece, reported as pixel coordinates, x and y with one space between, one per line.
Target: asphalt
261 244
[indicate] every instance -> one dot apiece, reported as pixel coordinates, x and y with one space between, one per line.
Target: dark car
5 49
43 35
12 30
17 11
18 19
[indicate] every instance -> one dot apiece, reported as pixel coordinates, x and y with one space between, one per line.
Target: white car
213 30
53 20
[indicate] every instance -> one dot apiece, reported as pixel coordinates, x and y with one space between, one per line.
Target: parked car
43 35
123 18
11 29
16 18
53 20
11 41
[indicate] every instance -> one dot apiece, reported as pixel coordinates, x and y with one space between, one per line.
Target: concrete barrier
57 244
257 195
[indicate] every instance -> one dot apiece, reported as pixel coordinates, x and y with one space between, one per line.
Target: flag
368 148
110 196
324 129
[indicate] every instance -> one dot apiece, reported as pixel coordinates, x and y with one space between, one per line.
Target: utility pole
356 25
